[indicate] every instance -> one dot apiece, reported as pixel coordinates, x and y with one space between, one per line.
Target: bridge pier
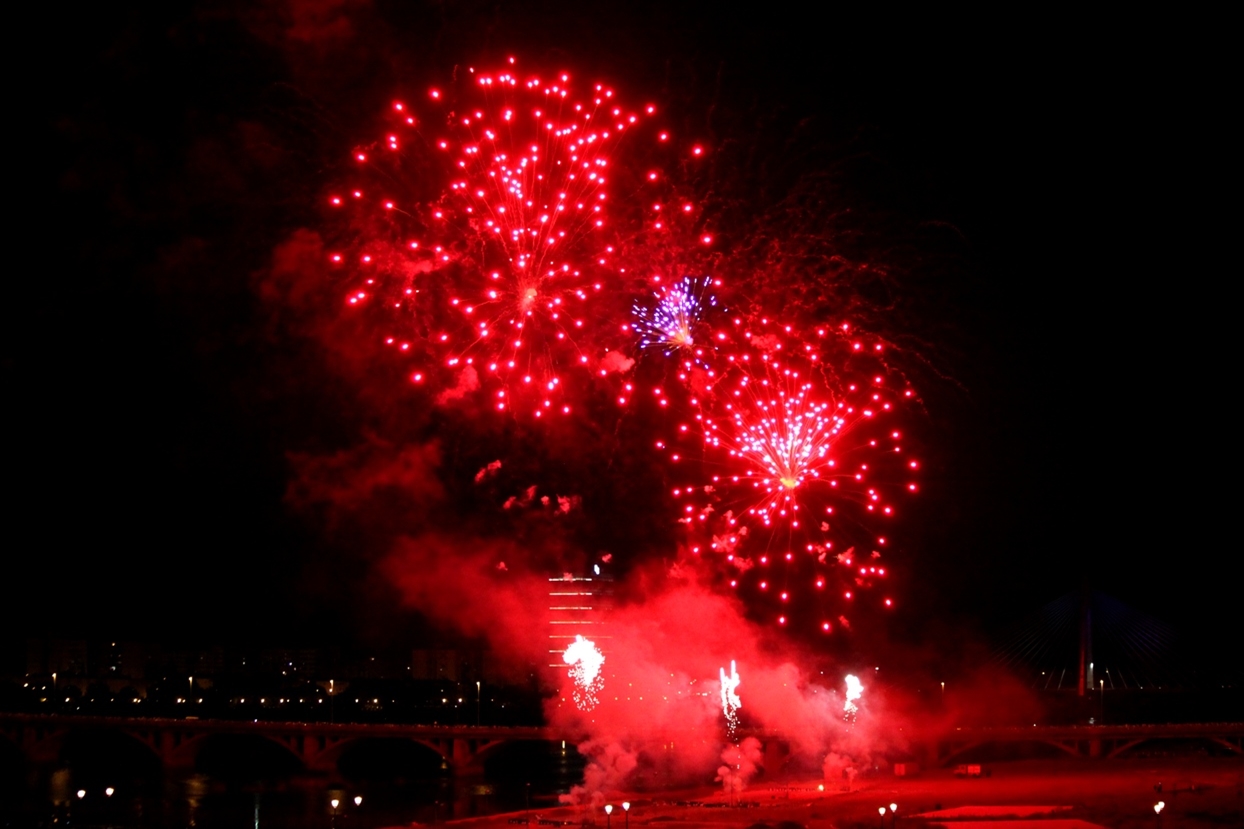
318 754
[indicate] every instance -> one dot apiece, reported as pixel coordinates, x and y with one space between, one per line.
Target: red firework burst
506 278
797 473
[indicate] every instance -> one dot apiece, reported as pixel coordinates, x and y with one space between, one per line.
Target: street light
108 791
478 692
626 807
881 812
608 813
358 800
893 815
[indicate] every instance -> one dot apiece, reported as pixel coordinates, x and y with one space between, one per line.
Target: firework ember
672 323
585 661
518 241
730 702
535 165
797 473
785 438
855 690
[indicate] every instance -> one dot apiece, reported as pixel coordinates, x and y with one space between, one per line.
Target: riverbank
1198 793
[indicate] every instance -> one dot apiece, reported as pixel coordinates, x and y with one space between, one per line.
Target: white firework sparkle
855 690
585 661
730 702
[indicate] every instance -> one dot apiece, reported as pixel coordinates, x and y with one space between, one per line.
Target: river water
388 792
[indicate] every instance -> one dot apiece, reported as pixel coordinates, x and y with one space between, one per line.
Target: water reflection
376 783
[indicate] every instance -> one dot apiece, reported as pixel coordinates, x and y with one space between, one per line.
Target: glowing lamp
626 807
1158 807
358 800
893 807
108 791
609 808
334 803
81 793
881 811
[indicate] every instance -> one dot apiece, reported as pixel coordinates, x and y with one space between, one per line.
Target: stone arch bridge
318 746
463 749
1104 741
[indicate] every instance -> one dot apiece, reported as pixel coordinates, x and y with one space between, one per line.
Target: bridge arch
98 756
530 758
998 750
383 758
234 757
1212 745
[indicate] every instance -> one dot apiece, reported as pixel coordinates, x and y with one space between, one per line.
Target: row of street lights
335 804
626 807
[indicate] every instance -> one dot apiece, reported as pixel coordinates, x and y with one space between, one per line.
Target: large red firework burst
503 276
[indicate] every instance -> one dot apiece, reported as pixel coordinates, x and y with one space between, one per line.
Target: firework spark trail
855 690
534 167
786 437
585 661
671 324
519 241
730 702
795 478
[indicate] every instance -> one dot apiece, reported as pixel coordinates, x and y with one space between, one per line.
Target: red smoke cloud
665 637
664 642
457 582
346 481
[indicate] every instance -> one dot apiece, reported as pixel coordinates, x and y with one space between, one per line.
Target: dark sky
162 152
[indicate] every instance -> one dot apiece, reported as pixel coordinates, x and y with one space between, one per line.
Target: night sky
1052 192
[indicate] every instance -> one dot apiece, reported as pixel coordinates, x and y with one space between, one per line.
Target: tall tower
1085 684
577 607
